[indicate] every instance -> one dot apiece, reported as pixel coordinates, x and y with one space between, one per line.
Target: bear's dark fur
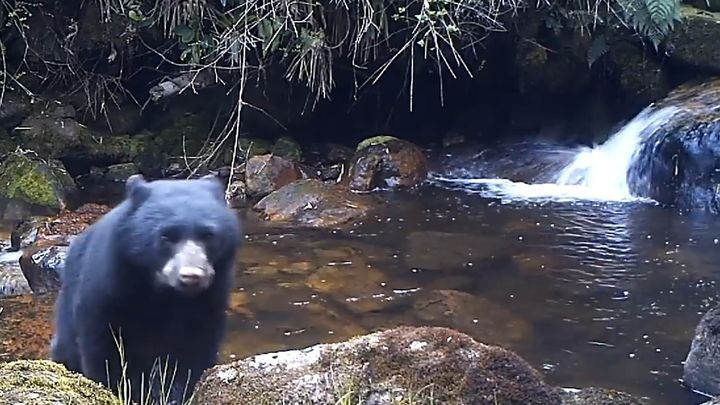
154 273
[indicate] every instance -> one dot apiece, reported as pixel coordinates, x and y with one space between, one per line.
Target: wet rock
267 173
238 194
42 382
313 203
42 265
387 162
14 108
467 313
12 280
287 148
333 172
599 396
701 370
641 77
694 38
25 233
459 250
381 368
35 182
677 163
42 261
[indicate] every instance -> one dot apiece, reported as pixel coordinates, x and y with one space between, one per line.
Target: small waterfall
597 174
604 168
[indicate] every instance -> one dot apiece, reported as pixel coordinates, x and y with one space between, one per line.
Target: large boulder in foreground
313 203
701 371
678 160
43 382
387 162
405 363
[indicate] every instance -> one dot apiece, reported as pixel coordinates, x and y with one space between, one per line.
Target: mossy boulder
387 162
55 134
419 363
35 182
375 140
186 135
288 148
41 382
694 39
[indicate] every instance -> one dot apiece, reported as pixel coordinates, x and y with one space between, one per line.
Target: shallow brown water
592 294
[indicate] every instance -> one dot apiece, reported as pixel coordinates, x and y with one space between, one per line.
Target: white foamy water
595 174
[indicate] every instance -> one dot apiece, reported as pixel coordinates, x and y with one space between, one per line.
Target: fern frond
652 19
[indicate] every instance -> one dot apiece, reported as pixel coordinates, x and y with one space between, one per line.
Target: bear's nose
191 276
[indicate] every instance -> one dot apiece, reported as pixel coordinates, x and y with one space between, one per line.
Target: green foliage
653 19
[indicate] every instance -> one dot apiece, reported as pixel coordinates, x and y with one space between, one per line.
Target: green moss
43 382
254 146
33 182
122 148
375 140
287 147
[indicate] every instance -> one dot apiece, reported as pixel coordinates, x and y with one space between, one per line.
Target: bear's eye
168 236
206 233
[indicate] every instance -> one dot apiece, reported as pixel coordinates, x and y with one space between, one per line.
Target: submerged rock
42 382
267 173
460 250
385 367
314 204
35 182
701 370
467 313
599 396
387 162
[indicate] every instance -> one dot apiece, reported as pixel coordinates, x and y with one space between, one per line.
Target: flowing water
590 284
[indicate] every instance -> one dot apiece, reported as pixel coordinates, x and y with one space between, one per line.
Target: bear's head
179 233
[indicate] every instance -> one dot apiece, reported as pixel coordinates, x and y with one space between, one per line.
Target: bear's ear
136 189
214 185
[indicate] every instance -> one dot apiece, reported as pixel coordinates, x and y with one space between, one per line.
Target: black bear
148 285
